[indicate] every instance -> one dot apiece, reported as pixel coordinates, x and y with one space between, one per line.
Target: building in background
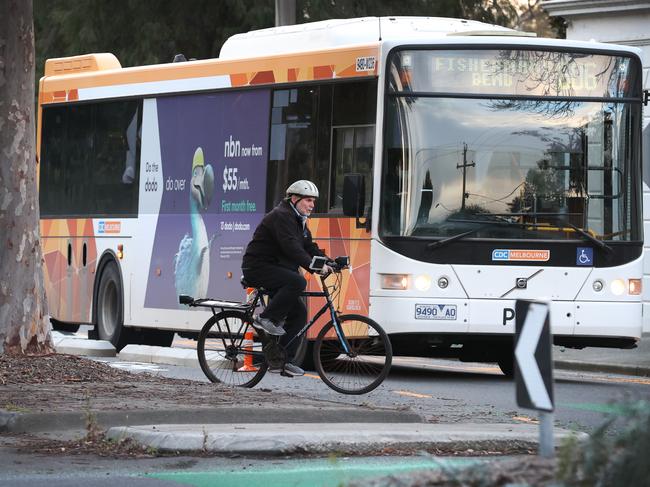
624 22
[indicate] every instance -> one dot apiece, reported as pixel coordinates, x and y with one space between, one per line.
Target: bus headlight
634 287
422 283
598 285
394 281
443 282
617 286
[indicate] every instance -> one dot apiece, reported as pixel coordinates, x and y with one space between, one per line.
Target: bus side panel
55 262
68 277
82 271
339 236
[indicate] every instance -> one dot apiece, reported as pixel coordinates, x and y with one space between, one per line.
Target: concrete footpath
283 438
302 425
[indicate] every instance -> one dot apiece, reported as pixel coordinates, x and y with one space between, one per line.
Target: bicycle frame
329 305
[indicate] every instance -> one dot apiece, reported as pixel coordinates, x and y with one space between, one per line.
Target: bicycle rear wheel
365 366
224 353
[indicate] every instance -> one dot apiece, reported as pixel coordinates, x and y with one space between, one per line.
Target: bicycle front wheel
227 354
364 366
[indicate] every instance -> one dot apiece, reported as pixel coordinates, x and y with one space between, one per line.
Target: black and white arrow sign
534 367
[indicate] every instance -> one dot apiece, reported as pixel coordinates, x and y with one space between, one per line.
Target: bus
462 166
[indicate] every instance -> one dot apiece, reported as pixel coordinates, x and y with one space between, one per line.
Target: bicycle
352 353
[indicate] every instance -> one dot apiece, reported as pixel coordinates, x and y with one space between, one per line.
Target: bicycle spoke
368 362
224 353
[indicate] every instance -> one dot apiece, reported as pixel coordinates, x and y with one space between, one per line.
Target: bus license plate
435 311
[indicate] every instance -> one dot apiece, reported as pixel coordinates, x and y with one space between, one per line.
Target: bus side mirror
354 195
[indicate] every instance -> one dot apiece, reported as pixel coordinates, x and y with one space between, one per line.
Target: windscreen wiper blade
453 238
588 236
485 224
559 218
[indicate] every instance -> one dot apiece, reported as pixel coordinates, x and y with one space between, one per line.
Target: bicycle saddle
245 284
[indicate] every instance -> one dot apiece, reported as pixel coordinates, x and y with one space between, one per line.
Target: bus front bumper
497 316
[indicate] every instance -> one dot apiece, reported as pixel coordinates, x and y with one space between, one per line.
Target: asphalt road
449 391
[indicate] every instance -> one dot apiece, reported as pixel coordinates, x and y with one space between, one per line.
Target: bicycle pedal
284 374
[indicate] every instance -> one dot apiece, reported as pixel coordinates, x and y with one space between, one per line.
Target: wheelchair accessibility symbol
584 256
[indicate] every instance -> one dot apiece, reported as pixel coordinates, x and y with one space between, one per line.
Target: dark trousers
285 287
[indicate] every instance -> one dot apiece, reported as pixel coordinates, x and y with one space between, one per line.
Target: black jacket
279 239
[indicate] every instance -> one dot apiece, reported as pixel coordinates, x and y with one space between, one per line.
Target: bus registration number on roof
435 312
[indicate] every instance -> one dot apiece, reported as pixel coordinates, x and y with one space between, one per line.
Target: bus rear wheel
110 308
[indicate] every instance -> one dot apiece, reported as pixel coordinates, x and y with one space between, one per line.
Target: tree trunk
24 324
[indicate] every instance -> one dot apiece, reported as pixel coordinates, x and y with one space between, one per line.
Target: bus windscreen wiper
488 223
485 224
560 218
586 235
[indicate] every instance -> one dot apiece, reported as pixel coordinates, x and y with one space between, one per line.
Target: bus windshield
545 140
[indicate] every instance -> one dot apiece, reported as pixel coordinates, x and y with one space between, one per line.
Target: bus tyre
506 364
110 308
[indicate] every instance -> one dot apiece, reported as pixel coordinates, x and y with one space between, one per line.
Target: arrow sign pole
534 367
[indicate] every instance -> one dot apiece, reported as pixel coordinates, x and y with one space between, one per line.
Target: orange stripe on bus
239 79
263 77
323 72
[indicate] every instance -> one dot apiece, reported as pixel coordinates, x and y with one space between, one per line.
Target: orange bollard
248 358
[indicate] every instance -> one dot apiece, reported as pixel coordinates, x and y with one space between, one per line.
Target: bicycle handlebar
339 263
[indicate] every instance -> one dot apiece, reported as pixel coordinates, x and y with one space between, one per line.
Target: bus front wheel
507 364
110 308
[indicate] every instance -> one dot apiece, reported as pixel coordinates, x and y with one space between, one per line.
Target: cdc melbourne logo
500 254
521 255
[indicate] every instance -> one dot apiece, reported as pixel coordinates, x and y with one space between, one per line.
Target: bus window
353 137
318 131
352 152
94 148
293 140
52 177
115 165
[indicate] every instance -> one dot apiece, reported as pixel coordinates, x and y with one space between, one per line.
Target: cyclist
281 244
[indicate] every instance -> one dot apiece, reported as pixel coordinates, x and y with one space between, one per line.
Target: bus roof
341 48
328 34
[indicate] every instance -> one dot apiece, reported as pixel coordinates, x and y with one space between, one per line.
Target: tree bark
24 324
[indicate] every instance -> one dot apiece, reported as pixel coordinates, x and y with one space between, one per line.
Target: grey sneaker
292 370
267 326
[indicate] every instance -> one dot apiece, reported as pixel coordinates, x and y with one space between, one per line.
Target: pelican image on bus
462 166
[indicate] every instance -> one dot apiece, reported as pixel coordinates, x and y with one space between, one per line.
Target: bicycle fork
339 331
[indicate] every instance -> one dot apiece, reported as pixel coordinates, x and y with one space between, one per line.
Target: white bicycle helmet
303 188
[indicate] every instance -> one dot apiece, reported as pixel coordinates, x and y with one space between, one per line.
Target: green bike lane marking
594 407
311 473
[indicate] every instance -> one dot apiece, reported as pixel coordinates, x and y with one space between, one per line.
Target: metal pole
285 12
546 447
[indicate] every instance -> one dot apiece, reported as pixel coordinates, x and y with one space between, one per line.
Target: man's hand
326 270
